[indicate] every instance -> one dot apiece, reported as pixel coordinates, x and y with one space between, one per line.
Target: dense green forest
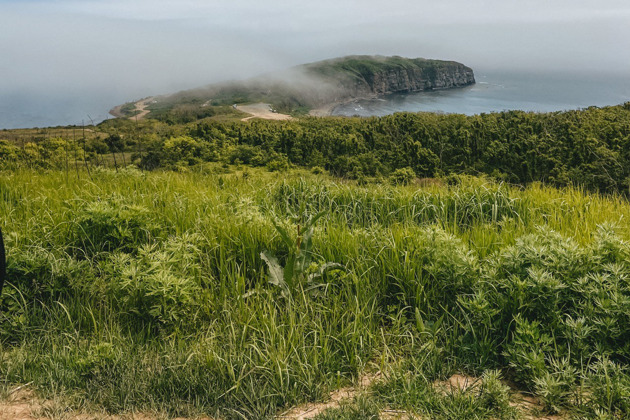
589 147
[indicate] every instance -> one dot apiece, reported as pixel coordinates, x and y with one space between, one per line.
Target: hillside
408 266
358 76
301 89
455 301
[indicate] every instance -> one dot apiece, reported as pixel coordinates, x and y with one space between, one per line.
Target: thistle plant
298 268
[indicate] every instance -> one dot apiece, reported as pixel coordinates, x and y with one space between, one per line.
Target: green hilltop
363 68
303 88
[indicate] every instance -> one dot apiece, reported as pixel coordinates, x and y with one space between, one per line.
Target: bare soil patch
22 404
335 399
263 111
457 383
142 107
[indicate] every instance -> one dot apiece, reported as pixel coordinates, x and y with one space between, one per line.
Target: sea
502 91
494 91
50 108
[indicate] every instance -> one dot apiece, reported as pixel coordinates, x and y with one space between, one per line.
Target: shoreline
115 112
326 110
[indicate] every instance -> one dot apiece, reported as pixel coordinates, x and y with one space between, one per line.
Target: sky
135 48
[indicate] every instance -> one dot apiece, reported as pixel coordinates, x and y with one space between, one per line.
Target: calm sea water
493 92
541 92
27 109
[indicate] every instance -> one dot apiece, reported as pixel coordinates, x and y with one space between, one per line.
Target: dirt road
142 107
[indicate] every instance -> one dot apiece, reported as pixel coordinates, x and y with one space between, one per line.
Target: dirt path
142 107
263 111
335 400
22 404
527 406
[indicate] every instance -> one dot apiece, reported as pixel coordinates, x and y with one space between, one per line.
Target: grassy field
243 294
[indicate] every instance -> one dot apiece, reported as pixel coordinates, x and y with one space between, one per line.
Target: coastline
140 111
324 110
327 110
115 112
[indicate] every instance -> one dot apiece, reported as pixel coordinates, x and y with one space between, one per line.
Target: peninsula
313 88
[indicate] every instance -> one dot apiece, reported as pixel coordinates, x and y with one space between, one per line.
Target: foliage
587 148
161 285
296 269
162 299
402 176
111 224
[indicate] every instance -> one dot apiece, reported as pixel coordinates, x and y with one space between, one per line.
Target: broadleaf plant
298 263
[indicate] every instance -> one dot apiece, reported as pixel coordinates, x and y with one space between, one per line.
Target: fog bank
136 48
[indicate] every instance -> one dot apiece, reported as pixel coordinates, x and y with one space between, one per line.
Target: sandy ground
263 111
22 404
142 107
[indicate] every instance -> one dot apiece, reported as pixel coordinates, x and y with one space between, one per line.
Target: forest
588 148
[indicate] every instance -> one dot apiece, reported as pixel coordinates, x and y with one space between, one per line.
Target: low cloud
143 47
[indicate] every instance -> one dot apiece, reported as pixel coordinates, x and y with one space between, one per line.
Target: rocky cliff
405 80
361 76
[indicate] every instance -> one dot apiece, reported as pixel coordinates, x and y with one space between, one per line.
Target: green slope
301 88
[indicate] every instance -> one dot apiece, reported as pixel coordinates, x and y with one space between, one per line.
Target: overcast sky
157 46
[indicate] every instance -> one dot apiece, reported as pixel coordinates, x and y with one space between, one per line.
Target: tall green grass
147 291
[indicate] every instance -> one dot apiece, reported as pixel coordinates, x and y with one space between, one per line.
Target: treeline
588 147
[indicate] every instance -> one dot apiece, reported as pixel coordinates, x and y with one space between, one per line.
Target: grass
146 291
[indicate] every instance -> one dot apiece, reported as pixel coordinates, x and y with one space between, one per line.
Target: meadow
235 292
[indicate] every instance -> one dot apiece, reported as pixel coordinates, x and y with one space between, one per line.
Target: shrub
402 176
249 155
318 170
609 385
161 285
40 274
37 277
279 163
110 225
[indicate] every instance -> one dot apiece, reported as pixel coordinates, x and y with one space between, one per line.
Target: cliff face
367 76
414 80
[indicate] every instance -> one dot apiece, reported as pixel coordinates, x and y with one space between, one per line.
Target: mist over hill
304 88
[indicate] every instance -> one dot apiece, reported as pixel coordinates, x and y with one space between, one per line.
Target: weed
140 297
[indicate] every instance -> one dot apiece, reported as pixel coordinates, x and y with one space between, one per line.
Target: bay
494 91
502 91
